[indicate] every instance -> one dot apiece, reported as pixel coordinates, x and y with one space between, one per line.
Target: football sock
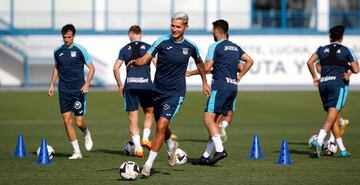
152 155
321 136
340 144
332 137
85 132
75 145
224 124
209 149
218 143
146 133
136 140
170 144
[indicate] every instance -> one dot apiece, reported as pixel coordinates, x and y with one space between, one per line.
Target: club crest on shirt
73 53
77 105
185 51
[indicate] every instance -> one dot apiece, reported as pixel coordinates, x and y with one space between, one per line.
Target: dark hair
68 27
336 32
222 24
135 29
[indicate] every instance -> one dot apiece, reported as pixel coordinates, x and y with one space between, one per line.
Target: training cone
256 149
20 151
284 157
43 157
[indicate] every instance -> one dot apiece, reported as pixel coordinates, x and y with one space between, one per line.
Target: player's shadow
57 154
297 143
194 140
107 151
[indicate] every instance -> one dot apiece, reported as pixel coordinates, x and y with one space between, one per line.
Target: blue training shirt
226 57
335 60
70 62
173 58
137 77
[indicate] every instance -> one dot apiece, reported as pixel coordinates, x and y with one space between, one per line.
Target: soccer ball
181 156
51 152
129 148
329 148
312 138
129 170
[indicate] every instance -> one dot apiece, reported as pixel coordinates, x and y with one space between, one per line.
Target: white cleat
172 155
76 156
145 172
88 141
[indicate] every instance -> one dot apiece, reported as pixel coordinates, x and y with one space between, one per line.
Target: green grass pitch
274 116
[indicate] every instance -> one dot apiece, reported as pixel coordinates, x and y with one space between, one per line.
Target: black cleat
202 161
218 156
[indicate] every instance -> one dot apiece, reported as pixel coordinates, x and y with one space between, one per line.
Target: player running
337 63
222 60
173 53
138 88
70 59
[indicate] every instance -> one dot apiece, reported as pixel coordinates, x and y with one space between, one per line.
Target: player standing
222 60
173 53
138 88
70 59
337 63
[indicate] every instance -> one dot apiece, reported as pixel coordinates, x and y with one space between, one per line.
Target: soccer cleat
76 156
145 172
218 156
344 154
139 153
88 141
202 161
146 144
223 135
172 154
316 147
343 126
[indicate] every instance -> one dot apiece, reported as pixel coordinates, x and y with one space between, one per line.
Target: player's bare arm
200 65
54 77
140 61
248 63
311 67
116 71
85 87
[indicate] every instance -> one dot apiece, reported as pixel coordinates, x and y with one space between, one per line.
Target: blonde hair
181 16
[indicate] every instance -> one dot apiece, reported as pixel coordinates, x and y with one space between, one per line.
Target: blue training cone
256 149
20 151
43 157
284 157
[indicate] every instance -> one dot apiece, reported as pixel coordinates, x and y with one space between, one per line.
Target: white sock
340 144
146 133
341 121
218 143
170 144
209 148
136 140
75 145
332 137
224 124
321 137
86 132
151 158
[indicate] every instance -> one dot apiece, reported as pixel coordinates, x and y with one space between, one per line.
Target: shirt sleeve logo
73 53
185 51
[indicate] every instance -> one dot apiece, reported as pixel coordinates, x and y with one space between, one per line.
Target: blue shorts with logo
70 102
221 102
132 97
166 106
333 95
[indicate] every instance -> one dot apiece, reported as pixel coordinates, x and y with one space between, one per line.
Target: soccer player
337 63
173 53
138 88
70 59
222 60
